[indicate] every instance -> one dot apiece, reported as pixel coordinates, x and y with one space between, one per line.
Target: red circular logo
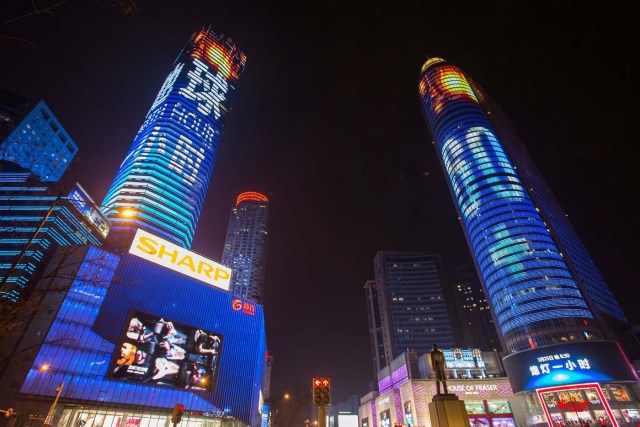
236 304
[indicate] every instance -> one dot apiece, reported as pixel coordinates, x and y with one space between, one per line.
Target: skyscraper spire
165 175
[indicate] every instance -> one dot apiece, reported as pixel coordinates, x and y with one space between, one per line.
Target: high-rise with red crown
245 248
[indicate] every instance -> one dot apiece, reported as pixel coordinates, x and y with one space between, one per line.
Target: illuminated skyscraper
35 218
31 136
166 173
245 248
540 281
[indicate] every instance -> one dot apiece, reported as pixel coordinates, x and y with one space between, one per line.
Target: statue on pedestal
438 365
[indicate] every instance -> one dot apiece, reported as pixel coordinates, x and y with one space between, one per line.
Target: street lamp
128 213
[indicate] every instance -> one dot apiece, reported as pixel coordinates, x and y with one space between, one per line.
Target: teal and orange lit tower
541 283
165 175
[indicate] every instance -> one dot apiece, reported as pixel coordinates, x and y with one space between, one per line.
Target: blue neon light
166 173
526 276
79 346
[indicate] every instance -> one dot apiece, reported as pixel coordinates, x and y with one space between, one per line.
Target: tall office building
472 310
35 218
245 248
166 173
542 285
31 136
411 304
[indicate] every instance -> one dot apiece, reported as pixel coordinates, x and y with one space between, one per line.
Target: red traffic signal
176 415
321 391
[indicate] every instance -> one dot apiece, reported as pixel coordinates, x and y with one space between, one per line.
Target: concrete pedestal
447 410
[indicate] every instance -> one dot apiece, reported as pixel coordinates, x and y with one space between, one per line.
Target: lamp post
47 421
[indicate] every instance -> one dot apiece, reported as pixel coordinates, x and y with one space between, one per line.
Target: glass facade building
473 312
166 173
412 305
34 138
34 220
245 247
541 284
79 346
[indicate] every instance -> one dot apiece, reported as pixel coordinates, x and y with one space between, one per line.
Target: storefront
595 404
577 384
489 402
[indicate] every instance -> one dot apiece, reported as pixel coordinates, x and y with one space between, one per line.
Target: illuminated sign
569 399
476 388
565 364
408 413
87 207
463 358
385 418
383 402
162 252
244 306
156 350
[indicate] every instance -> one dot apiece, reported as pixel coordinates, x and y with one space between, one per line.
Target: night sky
327 123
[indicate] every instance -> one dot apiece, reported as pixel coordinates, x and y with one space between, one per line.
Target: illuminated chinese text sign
162 252
243 306
569 399
565 364
159 351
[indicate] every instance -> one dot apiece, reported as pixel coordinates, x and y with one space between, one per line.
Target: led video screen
158 351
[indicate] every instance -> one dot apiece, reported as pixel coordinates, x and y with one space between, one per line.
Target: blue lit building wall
535 299
575 254
165 175
40 144
80 344
34 220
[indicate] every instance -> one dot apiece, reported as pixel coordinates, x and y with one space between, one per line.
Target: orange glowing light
251 196
220 53
444 84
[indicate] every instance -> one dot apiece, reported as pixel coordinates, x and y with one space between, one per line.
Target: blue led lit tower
166 173
541 284
245 248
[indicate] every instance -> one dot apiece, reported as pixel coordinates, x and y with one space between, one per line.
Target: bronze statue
438 365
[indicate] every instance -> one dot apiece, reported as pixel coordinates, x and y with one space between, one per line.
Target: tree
41 305
292 406
25 11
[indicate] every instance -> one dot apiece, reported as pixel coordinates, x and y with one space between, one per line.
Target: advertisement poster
158 351
385 418
408 415
499 407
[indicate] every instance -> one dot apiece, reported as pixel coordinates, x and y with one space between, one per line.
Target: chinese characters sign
566 364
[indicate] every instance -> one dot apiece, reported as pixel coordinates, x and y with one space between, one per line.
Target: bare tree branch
36 11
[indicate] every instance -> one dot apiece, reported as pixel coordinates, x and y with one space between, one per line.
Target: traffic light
321 391
176 415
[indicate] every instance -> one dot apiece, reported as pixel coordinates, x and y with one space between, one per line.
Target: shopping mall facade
126 338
